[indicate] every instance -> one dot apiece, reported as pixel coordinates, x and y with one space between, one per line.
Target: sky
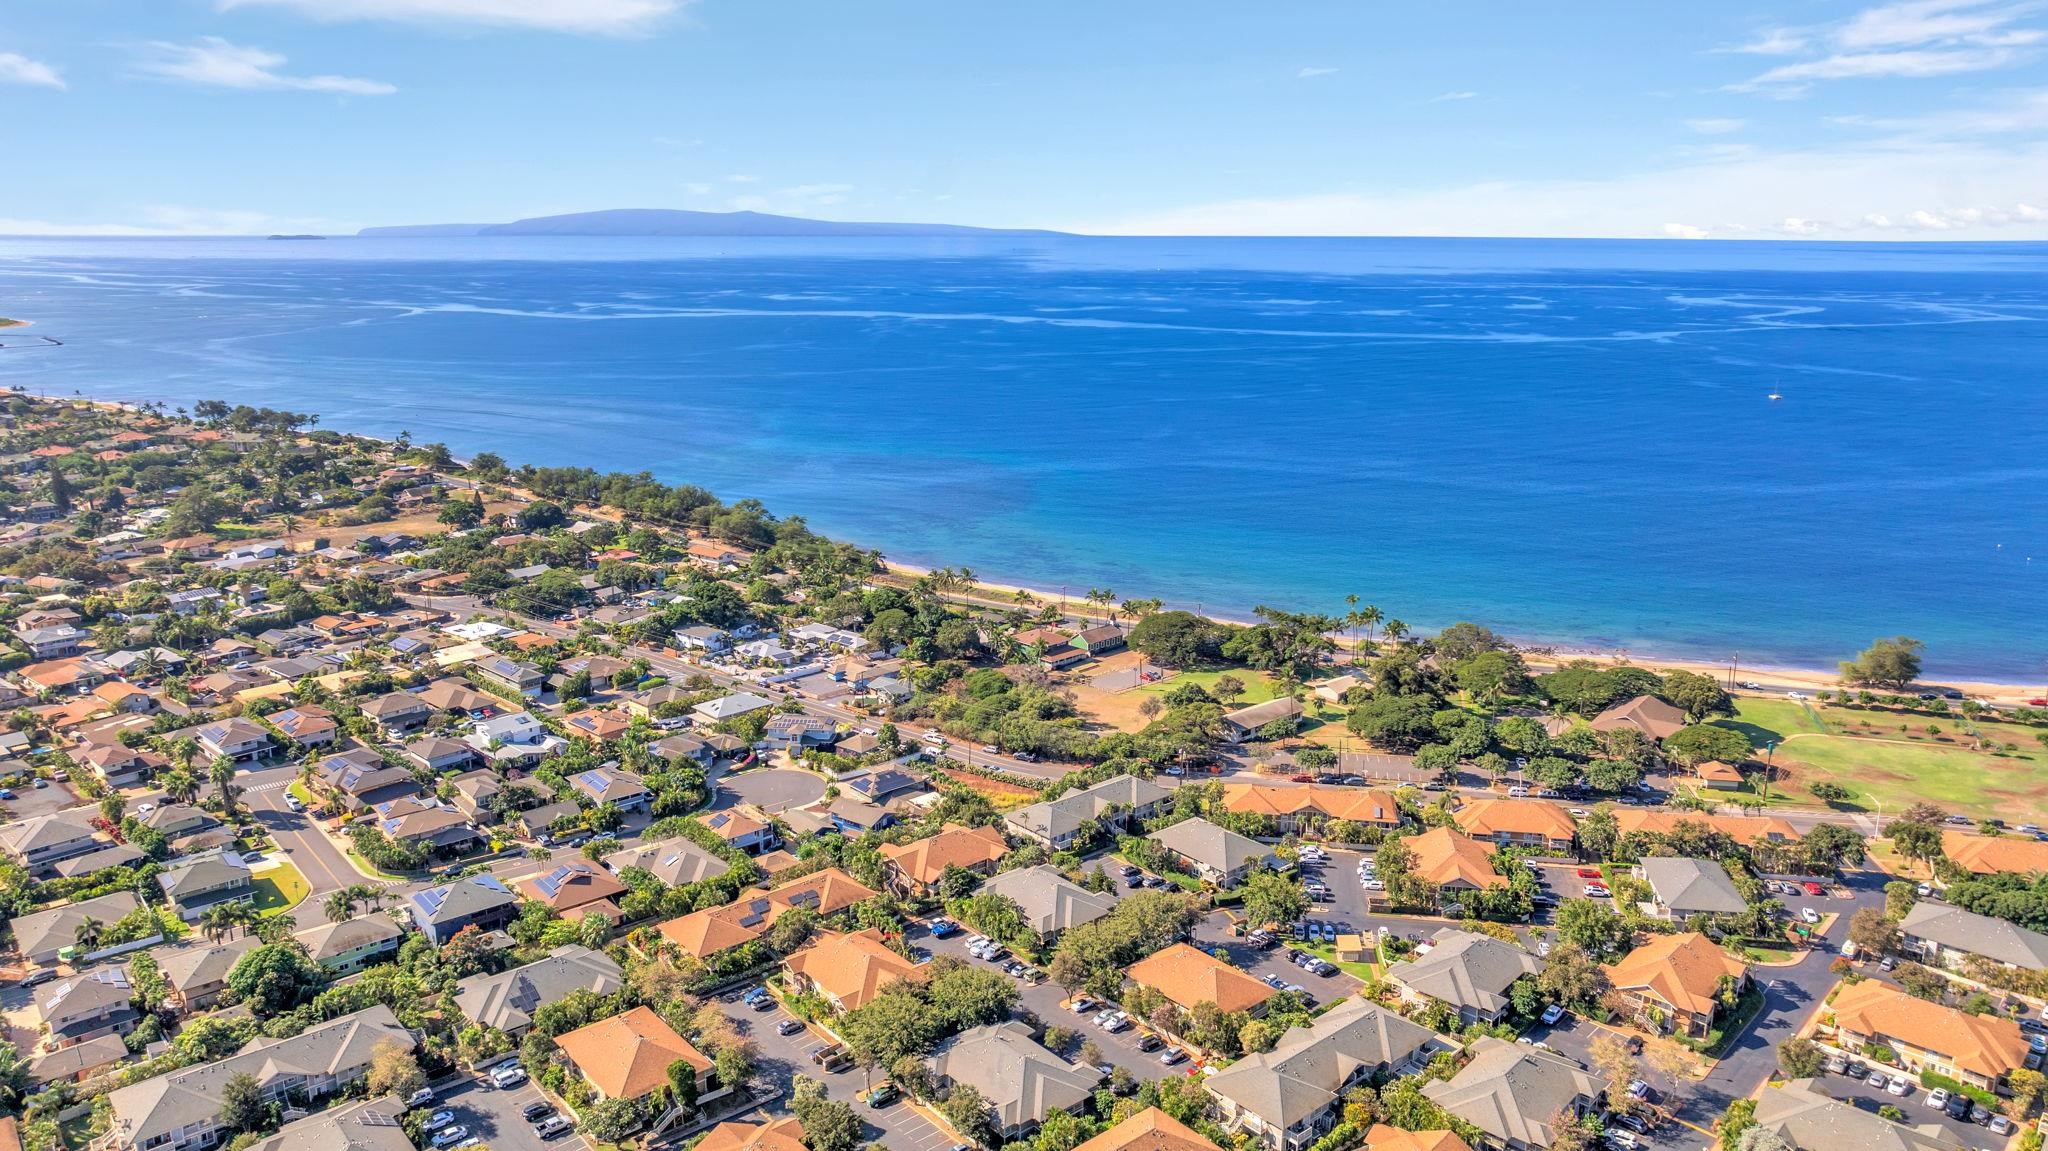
1926 119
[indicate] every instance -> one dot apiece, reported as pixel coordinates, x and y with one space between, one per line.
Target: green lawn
1866 752
281 888
1364 972
1258 686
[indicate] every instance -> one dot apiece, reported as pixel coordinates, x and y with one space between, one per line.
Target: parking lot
30 801
1047 1001
1865 1097
494 1116
783 1057
1214 932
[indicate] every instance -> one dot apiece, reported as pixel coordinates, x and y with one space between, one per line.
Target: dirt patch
987 786
1117 710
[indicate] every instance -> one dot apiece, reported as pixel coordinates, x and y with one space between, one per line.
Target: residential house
361 779
1113 803
1188 976
1453 862
39 841
1248 722
180 1110
353 944
711 930
438 754
848 969
120 766
1380 1137
1749 830
1220 857
1150 1130
308 725
1049 903
1682 888
513 739
628 1055
1990 854
1518 823
731 706
774 1135
1944 935
701 637
915 868
742 829
453 695
364 1125
86 1006
1305 807
73 1064
799 733
1656 718
1022 1081
1718 776
1808 1120
1465 971
198 972
675 862
117 855
53 642
197 883
538 822
878 786
599 725
616 786
242 740
573 889
514 675
1980 1050
1287 1098
1682 983
507 1000
176 820
40 935
418 820
125 698
474 792
480 901
399 713
851 816
1513 1093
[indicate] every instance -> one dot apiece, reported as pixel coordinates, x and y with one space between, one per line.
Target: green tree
1698 743
1888 663
1271 898
1698 696
242 1107
970 1114
1396 722
274 978
1800 1058
1572 975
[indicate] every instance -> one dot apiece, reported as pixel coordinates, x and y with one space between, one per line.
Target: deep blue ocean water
1570 441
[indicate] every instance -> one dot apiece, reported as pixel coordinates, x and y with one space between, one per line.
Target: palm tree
1396 629
213 922
88 933
223 775
340 905
180 785
1370 616
233 915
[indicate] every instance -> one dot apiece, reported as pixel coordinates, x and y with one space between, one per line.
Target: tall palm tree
213 922
1370 616
1396 629
88 933
180 785
222 773
340 905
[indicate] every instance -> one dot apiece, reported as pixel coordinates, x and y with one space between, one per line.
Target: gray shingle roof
1960 930
1811 1121
1049 902
1693 886
1466 969
508 999
1511 1092
1022 1080
1303 1074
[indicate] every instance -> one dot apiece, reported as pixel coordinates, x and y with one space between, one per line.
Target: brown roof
1384 1138
714 929
1989 1045
1985 854
925 860
780 1135
1714 771
1740 828
1188 975
1442 856
853 968
1682 970
1359 805
628 1055
1148 1130
1516 817
1646 713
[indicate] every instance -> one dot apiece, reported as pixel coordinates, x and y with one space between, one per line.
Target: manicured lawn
1867 753
280 888
299 789
1364 972
1258 686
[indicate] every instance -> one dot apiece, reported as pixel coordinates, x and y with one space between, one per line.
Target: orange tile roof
824 892
1984 854
1442 855
713 929
1516 817
1359 805
1717 772
1148 1130
1188 975
780 1135
925 860
1682 970
1740 828
853 968
1384 1138
628 1055
1989 1045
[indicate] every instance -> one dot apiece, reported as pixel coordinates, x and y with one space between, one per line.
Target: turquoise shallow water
1568 440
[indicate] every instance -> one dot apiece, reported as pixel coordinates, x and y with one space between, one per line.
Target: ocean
1570 441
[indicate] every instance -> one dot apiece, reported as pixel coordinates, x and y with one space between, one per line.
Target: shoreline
1539 655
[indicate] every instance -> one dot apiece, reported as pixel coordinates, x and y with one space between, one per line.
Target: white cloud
1908 39
2017 111
1310 73
1952 190
16 68
1685 232
606 17
173 220
743 179
215 63
1451 97
697 189
1716 125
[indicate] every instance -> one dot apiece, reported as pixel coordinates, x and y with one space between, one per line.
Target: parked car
1877 1079
1898 1086
510 1075
1595 891
1958 1107
450 1136
420 1098
884 1095
438 1120
1809 915
1553 1013
943 928
1590 873
537 1110
1937 1098
1172 1056
789 1027
1150 1042
1837 1063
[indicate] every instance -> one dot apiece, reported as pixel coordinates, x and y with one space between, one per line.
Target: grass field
280 888
1893 760
1258 686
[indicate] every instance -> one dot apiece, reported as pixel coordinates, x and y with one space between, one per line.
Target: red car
1302 778
1589 873
1812 888
2042 702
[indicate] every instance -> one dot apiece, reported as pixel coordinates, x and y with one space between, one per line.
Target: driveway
781 1058
771 789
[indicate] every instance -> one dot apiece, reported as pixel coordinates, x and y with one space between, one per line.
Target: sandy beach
1542 657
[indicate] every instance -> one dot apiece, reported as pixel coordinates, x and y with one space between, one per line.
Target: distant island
677 222
306 236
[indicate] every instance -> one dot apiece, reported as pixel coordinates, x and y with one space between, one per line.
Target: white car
510 1075
1898 1086
451 1136
1809 915
1937 1097
1375 885
1553 1013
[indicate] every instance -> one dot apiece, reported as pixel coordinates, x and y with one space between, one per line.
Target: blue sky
1797 118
